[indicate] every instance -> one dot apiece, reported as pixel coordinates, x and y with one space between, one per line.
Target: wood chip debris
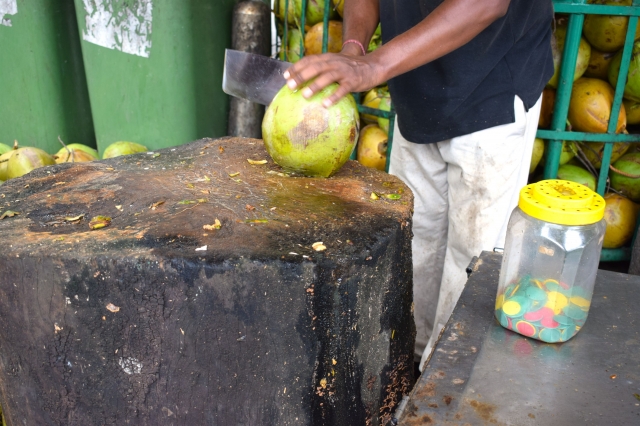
256 162
216 225
8 213
74 218
318 246
98 222
256 221
203 248
154 205
112 308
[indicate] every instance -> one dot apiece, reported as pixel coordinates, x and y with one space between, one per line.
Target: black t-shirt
472 88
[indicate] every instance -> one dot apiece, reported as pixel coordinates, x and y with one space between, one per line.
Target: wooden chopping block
220 292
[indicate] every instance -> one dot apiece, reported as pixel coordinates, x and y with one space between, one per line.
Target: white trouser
465 189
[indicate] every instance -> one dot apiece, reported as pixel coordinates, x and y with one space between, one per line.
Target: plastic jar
551 257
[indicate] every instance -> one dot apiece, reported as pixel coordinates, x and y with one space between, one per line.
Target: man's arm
361 17
450 26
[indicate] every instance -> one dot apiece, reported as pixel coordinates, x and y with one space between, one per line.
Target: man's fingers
322 70
325 80
303 71
341 92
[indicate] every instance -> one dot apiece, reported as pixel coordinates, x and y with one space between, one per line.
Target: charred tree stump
205 300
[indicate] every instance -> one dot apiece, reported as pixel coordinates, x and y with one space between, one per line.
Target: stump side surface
130 324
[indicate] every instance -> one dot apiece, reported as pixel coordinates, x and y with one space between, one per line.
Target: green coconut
384 105
294 38
557 47
599 64
372 100
315 11
628 186
536 154
595 150
304 137
577 174
606 32
4 148
339 6
119 148
376 39
73 156
632 88
568 151
23 160
4 161
79 147
632 108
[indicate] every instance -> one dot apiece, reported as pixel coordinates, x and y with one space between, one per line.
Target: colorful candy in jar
546 310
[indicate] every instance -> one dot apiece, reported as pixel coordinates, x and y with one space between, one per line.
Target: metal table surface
481 373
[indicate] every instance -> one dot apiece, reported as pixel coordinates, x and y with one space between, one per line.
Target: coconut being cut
304 137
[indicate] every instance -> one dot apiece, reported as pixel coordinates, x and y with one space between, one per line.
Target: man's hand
352 73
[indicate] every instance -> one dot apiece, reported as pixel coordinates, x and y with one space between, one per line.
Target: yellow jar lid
562 202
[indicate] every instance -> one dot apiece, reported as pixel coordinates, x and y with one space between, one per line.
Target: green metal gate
577 9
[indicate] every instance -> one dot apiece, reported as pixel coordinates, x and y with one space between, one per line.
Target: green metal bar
615 255
377 112
303 20
325 26
586 137
285 34
617 102
563 93
354 153
392 121
604 168
635 233
595 9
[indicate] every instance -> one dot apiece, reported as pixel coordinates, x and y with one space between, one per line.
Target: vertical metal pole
617 102
392 121
325 26
303 20
250 32
285 32
563 93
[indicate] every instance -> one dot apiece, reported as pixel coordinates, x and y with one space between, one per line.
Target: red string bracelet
356 42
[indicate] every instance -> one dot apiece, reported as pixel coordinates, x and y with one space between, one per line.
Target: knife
253 77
